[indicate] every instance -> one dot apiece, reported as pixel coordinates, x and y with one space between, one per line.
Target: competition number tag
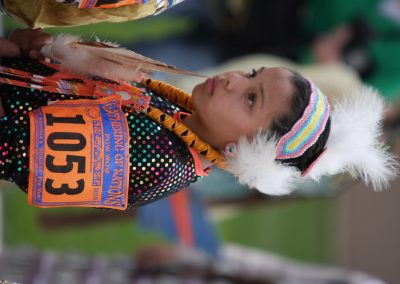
79 154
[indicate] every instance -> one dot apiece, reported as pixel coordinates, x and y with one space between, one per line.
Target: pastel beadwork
307 129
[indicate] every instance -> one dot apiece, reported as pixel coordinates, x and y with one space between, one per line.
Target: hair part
283 123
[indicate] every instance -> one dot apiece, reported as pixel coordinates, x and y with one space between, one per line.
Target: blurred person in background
363 34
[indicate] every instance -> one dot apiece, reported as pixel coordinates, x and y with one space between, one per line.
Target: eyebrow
262 90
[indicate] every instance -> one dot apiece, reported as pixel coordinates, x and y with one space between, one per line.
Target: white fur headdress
353 145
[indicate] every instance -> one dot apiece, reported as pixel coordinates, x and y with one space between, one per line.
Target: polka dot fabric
160 163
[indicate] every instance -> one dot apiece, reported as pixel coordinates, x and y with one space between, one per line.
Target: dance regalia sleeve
51 13
159 162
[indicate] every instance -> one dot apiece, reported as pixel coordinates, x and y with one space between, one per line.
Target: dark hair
283 123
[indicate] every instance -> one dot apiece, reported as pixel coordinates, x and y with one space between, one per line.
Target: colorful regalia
160 159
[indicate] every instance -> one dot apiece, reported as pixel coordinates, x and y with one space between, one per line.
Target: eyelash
251 99
252 74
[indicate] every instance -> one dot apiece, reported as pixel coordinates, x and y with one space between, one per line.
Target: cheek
231 123
226 109
222 113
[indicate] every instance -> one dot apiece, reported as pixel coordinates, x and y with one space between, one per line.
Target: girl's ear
230 150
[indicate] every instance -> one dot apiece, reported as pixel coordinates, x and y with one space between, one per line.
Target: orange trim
119 4
86 4
64 74
83 3
198 165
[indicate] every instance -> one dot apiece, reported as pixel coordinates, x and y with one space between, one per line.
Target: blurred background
338 231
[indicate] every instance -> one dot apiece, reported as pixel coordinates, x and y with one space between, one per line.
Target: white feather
354 142
254 165
103 59
84 61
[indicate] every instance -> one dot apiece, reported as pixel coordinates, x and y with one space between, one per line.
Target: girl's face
233 104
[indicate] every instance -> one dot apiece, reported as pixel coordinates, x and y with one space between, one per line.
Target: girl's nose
234 81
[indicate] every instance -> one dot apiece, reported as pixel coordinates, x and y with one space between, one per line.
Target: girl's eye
252 74
251 98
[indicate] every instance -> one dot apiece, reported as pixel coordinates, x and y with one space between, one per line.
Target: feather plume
104 59
354 142
255 166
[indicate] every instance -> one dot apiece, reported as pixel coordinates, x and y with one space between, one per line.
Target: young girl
50 13
270 128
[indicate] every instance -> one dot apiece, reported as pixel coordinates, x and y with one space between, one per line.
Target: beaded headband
307 129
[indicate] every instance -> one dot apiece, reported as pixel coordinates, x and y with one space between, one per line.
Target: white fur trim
353 145
354 142
254 165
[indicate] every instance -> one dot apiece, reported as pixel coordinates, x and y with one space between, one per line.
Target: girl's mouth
211 82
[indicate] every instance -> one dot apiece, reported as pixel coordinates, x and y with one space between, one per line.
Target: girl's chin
198 94
198 89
